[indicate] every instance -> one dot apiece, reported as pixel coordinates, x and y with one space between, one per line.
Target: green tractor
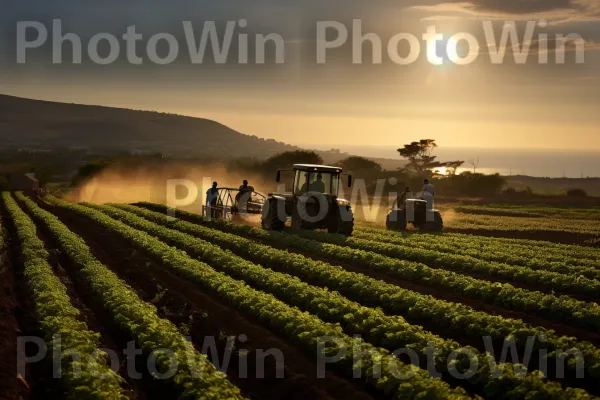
416 212
313 202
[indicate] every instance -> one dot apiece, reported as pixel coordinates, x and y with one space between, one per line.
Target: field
563 225
217 310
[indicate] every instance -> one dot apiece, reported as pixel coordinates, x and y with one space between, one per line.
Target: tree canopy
421 161
359 164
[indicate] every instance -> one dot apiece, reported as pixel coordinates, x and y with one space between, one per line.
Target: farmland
232 311
564 225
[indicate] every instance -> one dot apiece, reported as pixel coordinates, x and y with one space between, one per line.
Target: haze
479 105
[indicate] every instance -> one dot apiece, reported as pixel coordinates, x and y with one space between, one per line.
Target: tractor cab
316 179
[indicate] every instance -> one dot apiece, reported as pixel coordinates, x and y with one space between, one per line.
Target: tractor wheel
396 221
435 226
270 216
343 223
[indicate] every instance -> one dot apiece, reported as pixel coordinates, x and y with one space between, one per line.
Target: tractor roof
319 168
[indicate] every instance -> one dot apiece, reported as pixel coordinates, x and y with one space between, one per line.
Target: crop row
496 223
391 332
490 251
306 330
60 320
575 254
195 377
530 245
562 309
565 283
458 320
530 212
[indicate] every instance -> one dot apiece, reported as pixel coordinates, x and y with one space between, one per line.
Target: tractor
235 205
416 212
313 202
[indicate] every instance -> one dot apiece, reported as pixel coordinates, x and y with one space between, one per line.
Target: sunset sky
300 102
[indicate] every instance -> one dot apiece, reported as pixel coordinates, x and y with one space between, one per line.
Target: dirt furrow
12 321
203 316
447 296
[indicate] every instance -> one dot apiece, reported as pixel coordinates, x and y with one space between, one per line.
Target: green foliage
562 309
301 328
470 184
457 320
196 377
420 160
59 317
564 279
391 332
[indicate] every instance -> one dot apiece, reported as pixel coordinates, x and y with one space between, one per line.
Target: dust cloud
448 215
129 185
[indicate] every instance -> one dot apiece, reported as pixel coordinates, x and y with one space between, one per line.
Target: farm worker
407 194
211 197
244 194
427 195
304 187
318 185
245 187
428 187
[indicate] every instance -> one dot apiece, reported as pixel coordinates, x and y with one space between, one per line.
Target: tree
453 166
420 159
474 163
357 164
288 159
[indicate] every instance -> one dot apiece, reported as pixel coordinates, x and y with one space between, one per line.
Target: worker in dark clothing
407 194
212 196
318 185
244 194
245 187
304 187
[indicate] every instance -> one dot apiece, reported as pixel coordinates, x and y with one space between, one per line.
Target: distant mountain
44 125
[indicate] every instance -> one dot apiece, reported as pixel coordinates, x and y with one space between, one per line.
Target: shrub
576 193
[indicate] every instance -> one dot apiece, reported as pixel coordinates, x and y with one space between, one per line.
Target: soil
186 305
580 239
11 387
562 329
111 338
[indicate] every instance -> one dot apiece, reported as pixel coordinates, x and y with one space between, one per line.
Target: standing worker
428 187
244 194
212 195
428 195
245 187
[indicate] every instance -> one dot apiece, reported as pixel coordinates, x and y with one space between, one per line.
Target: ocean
549 163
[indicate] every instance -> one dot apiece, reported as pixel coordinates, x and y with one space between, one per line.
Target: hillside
35 124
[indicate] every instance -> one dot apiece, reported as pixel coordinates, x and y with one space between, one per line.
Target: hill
44 125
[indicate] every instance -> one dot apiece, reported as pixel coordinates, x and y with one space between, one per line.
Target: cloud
557 11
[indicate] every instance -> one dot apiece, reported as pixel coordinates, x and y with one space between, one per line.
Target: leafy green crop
196 377
391 332
563 309
565 262
59 317
299 327
456 319
568 282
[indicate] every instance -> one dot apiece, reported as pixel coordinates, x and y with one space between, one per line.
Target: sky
296 97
